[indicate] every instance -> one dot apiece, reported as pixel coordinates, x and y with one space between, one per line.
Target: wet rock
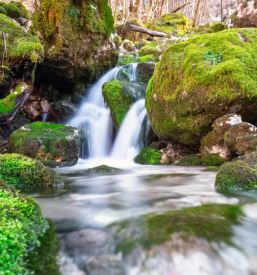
88 243
102 169
49 93
79 91
52 144
238 175
64 109
145 71
246 15
148 156
242 138
3 145
158 145
128 45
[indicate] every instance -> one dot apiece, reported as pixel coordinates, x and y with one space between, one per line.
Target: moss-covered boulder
128 45
18 170
148 156
211 222
22 8
23 231
238 175
198 80
170 23
80 44
120 96
52 144
102 169
12 10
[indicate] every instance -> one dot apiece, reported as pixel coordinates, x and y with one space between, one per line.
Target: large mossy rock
24 231
211 222
18 170
120 96
170 23
197 81
79 40
238 175
52 144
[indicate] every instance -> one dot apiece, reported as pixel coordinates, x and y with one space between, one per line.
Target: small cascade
128 144
94 121
45 106
133 72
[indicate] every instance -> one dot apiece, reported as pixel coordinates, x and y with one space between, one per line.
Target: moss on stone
18 170
12 10
2 10
22 225
148 156
213 159
218 27
169 23
20 44
190 160
23 10
212 222
52 144
7 104
186 93
103 169
118 101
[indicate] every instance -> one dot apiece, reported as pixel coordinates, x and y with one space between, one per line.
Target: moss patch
102 169
211 222
23 10
148 156
21 226
18 170
20 44
190 160
187 93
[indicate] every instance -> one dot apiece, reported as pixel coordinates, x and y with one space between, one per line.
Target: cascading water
95 123
127 144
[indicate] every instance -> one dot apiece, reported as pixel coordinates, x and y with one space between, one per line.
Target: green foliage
2 3
23 10
118 101
7 104
74 12
212 222
213 159
212 168
212 58
21 45
21 225
190 160
18 170
148 156
2 10
12 10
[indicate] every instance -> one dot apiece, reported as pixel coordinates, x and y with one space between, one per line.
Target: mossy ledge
23 230
18 170
211 221
102 169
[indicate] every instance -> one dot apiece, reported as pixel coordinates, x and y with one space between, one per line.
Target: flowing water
88 204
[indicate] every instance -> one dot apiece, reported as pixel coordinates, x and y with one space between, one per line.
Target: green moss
213 160
238 175
21 224
23 10
212 168
20 44
146 58
2 10
169 23
217 27
118 101
212 222
150 49
7 104
12 10
148 156
185 95
190 160
102 169
18 170
43 259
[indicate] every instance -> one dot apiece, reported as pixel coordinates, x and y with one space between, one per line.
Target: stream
93 202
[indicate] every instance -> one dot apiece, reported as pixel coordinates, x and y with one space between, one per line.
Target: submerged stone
102 169
18 170
52 144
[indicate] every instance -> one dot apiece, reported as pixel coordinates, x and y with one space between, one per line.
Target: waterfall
94 120
127 144
95 123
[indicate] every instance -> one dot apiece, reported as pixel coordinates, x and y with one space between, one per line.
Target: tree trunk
196 13
143 30
136 7
181 7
